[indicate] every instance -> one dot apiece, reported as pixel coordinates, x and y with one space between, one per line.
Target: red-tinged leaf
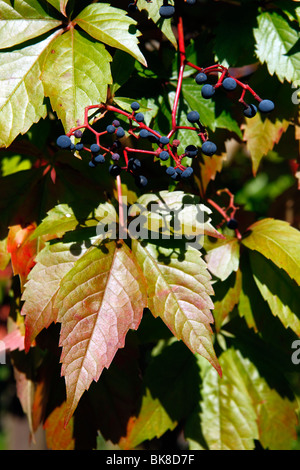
4 255
224 259
25 392
261 136
58 436
208 171
277 241
12 341
95 319
179 291
22 250
52 263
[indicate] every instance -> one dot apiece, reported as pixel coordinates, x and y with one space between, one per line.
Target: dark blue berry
164 140
110 129
209 148
94 148
79 146
166 11
200 78
232 224
99 159
164 155
187 172
63 141
139 117
78 134
207 91
170 171
250 111
144 133
193 116
135 106
229 84
141 181
266 106
191 151
115 157
134 164
120 132
114 170
92 164
153 138
116 123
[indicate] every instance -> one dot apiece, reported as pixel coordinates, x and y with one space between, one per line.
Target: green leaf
22 97
76 73
281 293
111 26
60 5
277 45
23 21
241 407
226 297
277 241
209 116
152 422
64 218
165 25
179 293
99 300
235 22
261 136
121 69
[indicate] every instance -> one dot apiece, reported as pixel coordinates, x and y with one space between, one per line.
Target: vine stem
122 228
224 214
182 57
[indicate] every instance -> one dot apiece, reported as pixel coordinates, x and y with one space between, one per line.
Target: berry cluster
166 148
116 152
229 84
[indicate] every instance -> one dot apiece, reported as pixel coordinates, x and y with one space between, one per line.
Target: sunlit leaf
22 96
95 319
76 73
179 293
277 241
277 44
281 292
112 27
23 20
